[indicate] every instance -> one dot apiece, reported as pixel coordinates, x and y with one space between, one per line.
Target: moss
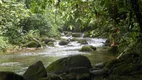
112 63
86 34
85 76
47 40
63 42
76 35
64 64
82 41
50 44
54 77
86 49
43 79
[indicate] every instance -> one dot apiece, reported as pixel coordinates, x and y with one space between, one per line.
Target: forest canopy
117 20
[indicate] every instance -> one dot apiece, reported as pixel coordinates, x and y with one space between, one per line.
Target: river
19 62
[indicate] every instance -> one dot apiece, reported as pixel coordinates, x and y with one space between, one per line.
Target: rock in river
35 71
63 42
10 76
64 64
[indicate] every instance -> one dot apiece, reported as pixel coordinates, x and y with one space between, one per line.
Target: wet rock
43 79
71 77
67 33
117 77
51 44
112 64
79 70
10 76
63 42
100 72
93 47
85 76
54 77
86 34
35 71
86 49
82 41
100 65
64 64
107 43
76 35
47 40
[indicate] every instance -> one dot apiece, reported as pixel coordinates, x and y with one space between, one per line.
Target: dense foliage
116 20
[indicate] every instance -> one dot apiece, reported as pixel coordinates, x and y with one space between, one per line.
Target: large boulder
35 71
88 48
82 41
79 70
63 42
10 76
64 64
47 40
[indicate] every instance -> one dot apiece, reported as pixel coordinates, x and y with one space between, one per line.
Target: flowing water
19 62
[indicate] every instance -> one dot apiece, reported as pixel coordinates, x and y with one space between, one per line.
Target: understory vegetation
22 21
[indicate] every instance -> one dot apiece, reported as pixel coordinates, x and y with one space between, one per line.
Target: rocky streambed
71 58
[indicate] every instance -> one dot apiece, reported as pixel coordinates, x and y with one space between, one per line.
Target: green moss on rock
51 44
76 35
86 49
64 64
85 76
82 41
63 42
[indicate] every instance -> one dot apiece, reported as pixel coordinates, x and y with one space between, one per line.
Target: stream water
19 62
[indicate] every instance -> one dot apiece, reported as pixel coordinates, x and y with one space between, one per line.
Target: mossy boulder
10 76
54 77
99 72
67 33
32 44
86 49
64 64
51 44
35 71
86 34
79 70
63 42
85 76
82 41
47 40
76 35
